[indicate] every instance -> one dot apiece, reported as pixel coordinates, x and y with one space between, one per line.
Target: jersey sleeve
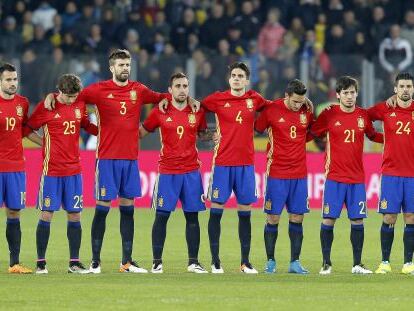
25 129
151 97
87 125
152 121
38 117
262 102
202 126
372 134
320 126
209 102
90 94
262 122
376 112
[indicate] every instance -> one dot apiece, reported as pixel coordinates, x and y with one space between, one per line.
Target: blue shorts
397 194
117 177
336 194
65 191
240 179
187 187
13 189
290 192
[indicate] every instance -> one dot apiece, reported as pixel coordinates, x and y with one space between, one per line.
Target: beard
122 77
405 97
10 91
180 100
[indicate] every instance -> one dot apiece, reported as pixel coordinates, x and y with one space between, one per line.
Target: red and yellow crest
303 119
78 114
19 111
191 118
249 103
133 95
361 122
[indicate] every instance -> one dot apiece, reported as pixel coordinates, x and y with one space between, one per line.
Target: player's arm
375 113
372 134
88 126
209 103
203 132
150 123
320 126
262 122
36 138
34 122
309 136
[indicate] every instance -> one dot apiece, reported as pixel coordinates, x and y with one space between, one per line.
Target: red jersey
345 142
13 115
235 123
398 157
287 132
61 129
178 133
118 114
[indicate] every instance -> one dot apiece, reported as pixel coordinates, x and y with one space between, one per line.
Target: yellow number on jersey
180 131
10 123
293 132
69 127
123 108
350 136
403 128
239 117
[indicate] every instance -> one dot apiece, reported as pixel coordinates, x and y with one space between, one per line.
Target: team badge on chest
361 123
19 111
133 95
249 103
303 119
192 119
78 114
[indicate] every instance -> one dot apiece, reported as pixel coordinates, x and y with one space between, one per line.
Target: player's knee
390 219
296 218
126 202
273 219
74 217
13 213
409 218
46 216
357 221
329 221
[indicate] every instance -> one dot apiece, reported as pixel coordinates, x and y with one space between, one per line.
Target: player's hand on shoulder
50 102
194 104
308 104
216 138
162 105
391 102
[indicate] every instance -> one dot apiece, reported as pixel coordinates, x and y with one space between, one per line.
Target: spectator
255 61
206 82
308 12
247 23
31 67
351 28
18 12
161 26
297 30
27 29
335 12
54 35
237 45
10 39
95 42
90 72
84 22
109 25
159 44
134 21
193 43
71 16
40 44
56 66
362 12
131 42
167 62
320 29
395 53
264 85
43 15
144 66
212 30
379 28
271 34
180 33
70 45
407 29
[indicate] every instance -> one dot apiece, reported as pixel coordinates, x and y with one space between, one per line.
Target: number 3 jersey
398 157
235 117
118 114
287 132
345 142
13 116
61 129
178 134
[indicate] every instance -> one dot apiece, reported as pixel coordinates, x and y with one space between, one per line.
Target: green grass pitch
178 290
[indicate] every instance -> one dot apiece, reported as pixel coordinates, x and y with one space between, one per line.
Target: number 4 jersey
398 157
13 115
61 128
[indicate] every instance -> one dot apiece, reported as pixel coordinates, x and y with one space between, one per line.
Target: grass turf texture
178 289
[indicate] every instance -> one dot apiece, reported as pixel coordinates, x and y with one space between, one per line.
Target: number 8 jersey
13 115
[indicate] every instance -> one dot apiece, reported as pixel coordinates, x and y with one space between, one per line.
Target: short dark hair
345 82
242 66
177 75
296 86
118 54
69 84
403 76
6 67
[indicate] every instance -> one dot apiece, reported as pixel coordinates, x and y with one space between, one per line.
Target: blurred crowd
51 37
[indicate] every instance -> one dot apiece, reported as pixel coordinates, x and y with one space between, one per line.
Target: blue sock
326 236
126 226
42 239
296 238
245 235
357 241
14 237
74 234
408 242
387 238
98 230
159 232
270 237
214 230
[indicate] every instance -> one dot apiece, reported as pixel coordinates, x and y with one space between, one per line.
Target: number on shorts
363 207
78 201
